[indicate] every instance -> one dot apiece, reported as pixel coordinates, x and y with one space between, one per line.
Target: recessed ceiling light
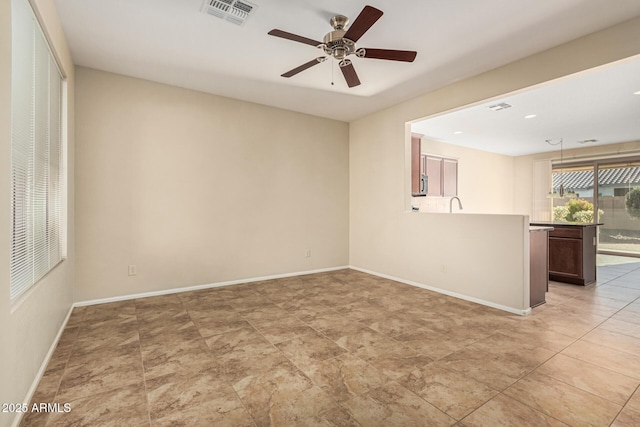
636 93
530 116
458 132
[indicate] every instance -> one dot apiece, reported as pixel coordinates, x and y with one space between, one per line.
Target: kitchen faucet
451 204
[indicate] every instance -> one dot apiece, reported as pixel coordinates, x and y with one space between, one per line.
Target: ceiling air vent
500 106
234 11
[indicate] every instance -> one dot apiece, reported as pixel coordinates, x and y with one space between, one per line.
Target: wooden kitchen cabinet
538 265
572 253
416 165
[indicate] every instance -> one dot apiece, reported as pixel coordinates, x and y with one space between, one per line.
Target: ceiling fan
341 42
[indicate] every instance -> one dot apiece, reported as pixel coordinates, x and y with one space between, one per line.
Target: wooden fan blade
303 67
294 37
350 75
363 22
391 55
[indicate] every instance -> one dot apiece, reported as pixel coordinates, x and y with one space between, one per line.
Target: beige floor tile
505 411
194 399
622 327
222 311
285 396
303 349
34 419
122 310
177 327
308 313
344 376
329 321
436 348
628 316
398 362
77 317
591 378
394 405
627 418
634 402
452 392
87 351
245 341
563 401
398 324
100 376
270 313
119 407
159 359
613 340
493 367
286 328
617 361
532 337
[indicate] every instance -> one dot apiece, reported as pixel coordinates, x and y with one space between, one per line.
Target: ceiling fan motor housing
334 43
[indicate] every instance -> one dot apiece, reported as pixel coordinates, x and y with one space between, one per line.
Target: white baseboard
445 292
43 368
205 286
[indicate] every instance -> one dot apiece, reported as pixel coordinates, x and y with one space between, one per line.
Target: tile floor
348 349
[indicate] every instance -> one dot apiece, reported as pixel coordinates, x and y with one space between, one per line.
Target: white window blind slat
41 166
36 150
54 223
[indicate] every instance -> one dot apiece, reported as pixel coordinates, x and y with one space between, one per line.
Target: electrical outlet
133 270
307 254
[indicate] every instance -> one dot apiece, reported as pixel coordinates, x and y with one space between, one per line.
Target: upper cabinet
449 177
442 175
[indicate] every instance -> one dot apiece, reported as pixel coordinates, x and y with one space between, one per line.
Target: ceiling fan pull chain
332 67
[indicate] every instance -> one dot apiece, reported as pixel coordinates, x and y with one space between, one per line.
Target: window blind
36 153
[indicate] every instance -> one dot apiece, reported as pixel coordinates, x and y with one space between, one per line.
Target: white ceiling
599 104
173 42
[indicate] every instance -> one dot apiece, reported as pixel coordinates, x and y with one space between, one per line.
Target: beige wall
196 189
386 238
28 328
485 180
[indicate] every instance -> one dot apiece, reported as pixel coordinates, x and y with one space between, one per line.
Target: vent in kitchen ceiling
500 106
234 11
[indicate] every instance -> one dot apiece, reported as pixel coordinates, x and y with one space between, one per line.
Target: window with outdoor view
603 191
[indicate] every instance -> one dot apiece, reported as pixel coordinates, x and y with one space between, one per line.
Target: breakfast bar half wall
483 258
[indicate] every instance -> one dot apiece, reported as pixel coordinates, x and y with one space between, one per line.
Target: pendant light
562 193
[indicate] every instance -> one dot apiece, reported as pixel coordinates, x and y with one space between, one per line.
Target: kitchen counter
566 224
540 228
